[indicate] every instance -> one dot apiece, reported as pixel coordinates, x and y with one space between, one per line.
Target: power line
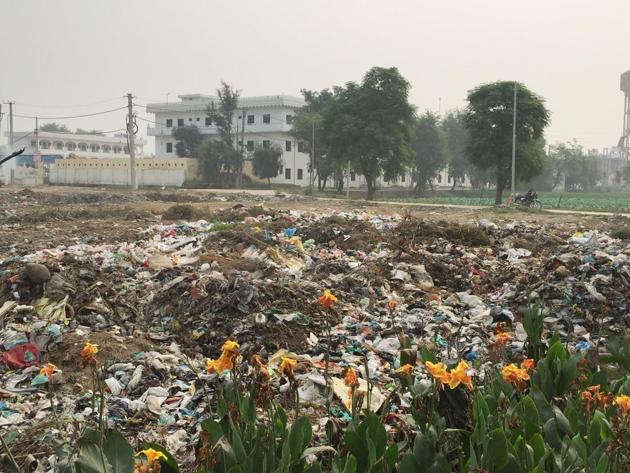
25 104
73 116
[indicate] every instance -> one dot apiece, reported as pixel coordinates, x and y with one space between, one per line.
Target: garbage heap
158 306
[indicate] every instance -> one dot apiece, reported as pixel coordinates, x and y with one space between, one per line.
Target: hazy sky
70 57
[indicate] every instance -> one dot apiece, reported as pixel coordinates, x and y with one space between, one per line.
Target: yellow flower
48 369
513 374
438 371
350 379
219 365
152 455
287 365
88 351
528 364
502 338
623 402
327 299
405 369
230 347
459 376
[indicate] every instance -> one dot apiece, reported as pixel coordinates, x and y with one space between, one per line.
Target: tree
223 118
188 138
81 131
488 118
54 127
430 152
308 119
210 160
371 125
456 143
579 170
267 162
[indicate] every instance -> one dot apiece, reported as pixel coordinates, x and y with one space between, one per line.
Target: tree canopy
81 131
430 151
188 138
456 144
54 127
370 125
267 161
489 117
579 170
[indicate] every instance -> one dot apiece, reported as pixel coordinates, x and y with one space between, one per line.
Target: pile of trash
158 306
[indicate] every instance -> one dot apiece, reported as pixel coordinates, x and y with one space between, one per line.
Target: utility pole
131 141
312 174
240 170
348 183
11 125
514 145
1 115
37 134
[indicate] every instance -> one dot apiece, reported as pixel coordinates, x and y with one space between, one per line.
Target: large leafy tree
579 170
489 120
222 116
188 138
267 162
430 152
371 124
456 143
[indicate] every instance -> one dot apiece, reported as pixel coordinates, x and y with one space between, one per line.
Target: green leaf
119 453
391 455
552 436
497 452
167 466
602 465
538 445
90 459
426 355
530 417
299 437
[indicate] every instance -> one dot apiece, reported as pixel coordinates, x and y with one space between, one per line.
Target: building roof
199 102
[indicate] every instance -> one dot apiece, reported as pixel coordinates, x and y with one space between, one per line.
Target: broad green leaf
497 451
92 460
119 453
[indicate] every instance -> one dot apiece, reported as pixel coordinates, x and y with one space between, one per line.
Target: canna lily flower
327 299
528 364
459 376
48 369
623 402
230 347
502 338
513 374
88 353
438 371
229 353
405 369
350 378
152 455
287 365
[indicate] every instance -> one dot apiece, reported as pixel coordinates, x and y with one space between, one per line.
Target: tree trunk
269 181
454 183
498 192
340 186
431 185
370 188
324 183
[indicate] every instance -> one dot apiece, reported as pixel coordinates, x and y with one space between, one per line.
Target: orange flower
48 369
623 402
287 365
459 376
350 378
392 304
88 353
229 353
327 299
528 364
405 369
438 371
152 455
513 374
502 338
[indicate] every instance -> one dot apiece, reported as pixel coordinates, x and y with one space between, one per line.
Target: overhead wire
100 102
72 116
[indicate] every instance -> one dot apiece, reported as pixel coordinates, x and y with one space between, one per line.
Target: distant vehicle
529 199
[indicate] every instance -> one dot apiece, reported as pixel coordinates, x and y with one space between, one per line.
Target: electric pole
312 174
240 171
37 134
514 145
1 115
131 142
11 125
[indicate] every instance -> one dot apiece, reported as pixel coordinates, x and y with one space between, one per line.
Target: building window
287 173
169 147
180 122
190 119
300 147
289 119
126 149
287 145
250 119
169 123
353 176
266 144
250 145
300 174
266 118
197 119
208 121
94 148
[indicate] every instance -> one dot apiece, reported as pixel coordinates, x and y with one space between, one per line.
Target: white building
267 121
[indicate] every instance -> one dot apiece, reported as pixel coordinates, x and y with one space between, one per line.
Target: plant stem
5 447
326 367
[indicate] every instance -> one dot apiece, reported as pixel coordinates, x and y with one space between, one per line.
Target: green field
597 201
